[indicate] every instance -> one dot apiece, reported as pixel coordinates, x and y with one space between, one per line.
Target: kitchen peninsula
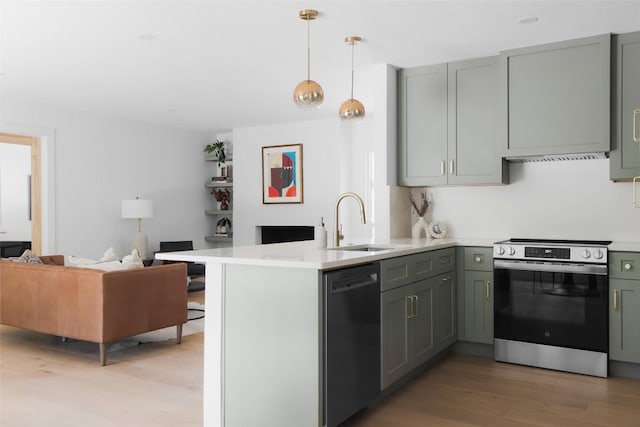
263 327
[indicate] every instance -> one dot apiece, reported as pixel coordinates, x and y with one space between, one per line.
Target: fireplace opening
286 233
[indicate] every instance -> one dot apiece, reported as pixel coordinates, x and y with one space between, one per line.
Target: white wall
566 199
15 169
101 160
333 162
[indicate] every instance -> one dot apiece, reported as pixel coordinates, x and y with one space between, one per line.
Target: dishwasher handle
354 283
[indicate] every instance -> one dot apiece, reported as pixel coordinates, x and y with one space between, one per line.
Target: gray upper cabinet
556 97
448 124
474 149
625 152
422 125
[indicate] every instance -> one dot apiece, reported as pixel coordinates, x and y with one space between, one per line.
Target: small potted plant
216 149
222 195
223 225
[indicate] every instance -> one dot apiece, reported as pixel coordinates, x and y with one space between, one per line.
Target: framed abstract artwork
282 174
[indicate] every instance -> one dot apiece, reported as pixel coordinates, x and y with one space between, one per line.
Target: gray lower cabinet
624 158
624 306
476 294
478 306
448 124
624 318
445 312
418 314
556 97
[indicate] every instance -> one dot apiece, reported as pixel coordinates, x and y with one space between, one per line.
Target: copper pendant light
352 109
308 94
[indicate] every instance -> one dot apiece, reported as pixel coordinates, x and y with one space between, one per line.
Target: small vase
418 227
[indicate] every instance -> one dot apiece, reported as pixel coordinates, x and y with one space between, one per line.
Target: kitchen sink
364 248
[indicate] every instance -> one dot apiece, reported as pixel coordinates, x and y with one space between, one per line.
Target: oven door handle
597 269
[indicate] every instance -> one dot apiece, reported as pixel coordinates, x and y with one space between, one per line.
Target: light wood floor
160 384
474 391
155 384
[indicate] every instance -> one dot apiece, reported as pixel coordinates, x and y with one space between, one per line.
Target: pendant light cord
308 51
352 70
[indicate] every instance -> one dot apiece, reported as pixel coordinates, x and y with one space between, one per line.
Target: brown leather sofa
92 305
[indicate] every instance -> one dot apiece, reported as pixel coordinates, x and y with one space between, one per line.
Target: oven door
559 304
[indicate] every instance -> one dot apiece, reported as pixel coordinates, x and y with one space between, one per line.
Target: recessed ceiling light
527 20
147 36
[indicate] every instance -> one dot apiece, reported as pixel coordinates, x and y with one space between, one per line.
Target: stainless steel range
551 304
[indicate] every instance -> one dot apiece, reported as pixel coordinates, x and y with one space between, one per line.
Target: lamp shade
137 208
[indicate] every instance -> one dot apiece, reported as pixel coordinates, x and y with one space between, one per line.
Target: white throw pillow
76 261
109 255
106 266
133 260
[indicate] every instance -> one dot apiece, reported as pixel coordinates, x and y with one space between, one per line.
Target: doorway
35 185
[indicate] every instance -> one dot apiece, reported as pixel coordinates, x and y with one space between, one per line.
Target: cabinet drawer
444 261
400 271
478 258
624 265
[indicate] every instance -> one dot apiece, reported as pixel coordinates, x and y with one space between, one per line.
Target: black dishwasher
351 341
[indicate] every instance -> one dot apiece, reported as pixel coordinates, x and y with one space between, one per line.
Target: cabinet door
625 152
445 300
478 306
473 139
396 362
421 325
422 125
624 318
557 97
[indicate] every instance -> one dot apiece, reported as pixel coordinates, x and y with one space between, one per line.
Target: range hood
557 157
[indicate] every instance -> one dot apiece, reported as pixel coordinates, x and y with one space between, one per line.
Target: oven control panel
583 254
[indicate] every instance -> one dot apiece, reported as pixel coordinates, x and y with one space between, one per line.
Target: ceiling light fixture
351 109
527 20
308 94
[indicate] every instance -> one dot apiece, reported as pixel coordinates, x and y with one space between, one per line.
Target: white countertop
306 254
625 246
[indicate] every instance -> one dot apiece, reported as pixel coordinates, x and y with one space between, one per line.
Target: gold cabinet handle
409 306
442 168
635 198
488 290
415 306
615 300
477 259
627 266
451 170
446 279
636 113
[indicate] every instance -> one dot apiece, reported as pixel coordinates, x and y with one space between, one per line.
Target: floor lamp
138 208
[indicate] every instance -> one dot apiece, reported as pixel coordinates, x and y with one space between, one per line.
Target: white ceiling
215 65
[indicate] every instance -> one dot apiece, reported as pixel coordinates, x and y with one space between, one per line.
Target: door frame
36 185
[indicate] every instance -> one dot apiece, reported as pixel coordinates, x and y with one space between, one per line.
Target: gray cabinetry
625 152
422 125
448 124
477 295
445 303
624 307
474 151
417 313
556 97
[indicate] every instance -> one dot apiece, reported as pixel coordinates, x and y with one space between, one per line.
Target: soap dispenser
320 234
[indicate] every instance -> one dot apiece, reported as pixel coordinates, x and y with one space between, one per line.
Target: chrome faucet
337 235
